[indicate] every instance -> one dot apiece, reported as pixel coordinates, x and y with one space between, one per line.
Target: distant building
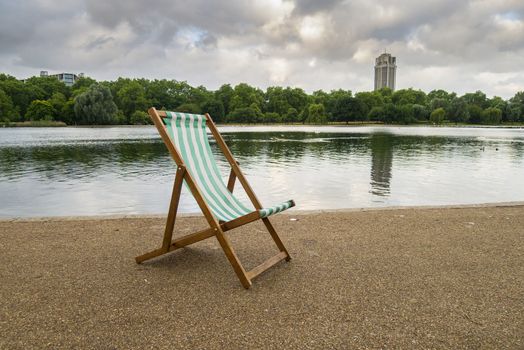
67 78
385 71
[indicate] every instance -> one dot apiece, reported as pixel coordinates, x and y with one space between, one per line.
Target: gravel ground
410 278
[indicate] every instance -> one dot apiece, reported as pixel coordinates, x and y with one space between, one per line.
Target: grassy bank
36 123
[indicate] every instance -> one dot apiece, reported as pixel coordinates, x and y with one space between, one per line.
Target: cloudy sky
456 45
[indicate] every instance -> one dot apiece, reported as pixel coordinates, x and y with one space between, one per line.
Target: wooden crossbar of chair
216 228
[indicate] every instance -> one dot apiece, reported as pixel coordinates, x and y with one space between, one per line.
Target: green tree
420 112
516 107
83 83
140 118
49 85
189 108
276 100
131 98
408 96
96 106
246 96
244 115
376 114
491 115
8 112
40 110
370 99
477 98
67 115
225 94
333 99
392 114
20 93
475 114
316 114
458 111
437 116
215 108
406 114
58 101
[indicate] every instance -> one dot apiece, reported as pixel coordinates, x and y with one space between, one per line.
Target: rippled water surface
127 170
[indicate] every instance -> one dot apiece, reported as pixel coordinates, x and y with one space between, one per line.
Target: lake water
127 170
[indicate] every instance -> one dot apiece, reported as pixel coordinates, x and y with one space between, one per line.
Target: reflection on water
83 171
381 163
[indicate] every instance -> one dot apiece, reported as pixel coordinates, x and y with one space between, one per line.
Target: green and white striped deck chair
186 139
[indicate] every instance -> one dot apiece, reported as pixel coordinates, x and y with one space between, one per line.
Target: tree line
125 101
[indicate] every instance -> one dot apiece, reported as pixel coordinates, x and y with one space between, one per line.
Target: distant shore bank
47 124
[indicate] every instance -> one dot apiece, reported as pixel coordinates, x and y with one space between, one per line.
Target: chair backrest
188 133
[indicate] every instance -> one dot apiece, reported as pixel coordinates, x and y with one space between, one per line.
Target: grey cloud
312 44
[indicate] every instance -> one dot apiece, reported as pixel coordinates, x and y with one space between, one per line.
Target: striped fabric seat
188 132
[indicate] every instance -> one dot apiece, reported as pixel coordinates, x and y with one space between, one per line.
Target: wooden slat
233 259
177 244
192 238
231 181
150 255
276 238
266 265
173 207
246 219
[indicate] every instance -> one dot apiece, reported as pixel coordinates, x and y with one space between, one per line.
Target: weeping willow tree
95 106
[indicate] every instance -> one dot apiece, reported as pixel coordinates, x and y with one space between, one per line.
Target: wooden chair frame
217 228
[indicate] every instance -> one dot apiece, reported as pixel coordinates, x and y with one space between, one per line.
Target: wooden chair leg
276 238
233 258
171 217
173 207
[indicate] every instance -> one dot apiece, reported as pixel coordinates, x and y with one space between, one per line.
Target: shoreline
351 124
396 278
291 212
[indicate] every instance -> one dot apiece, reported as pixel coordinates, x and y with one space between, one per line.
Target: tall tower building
385 71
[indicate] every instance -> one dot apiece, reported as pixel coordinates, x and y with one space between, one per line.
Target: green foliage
21 93
48 85
244 103
271 117
246 100
370 99
316 114
58 101
458 111
40 110
189 108
224 94
437 116
95 106
244 115
215 108
140 118
477 98
406 114
131 97
475 114
376 113
83 83
491 115
408 96
67 114
516 107
420 113
8 112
